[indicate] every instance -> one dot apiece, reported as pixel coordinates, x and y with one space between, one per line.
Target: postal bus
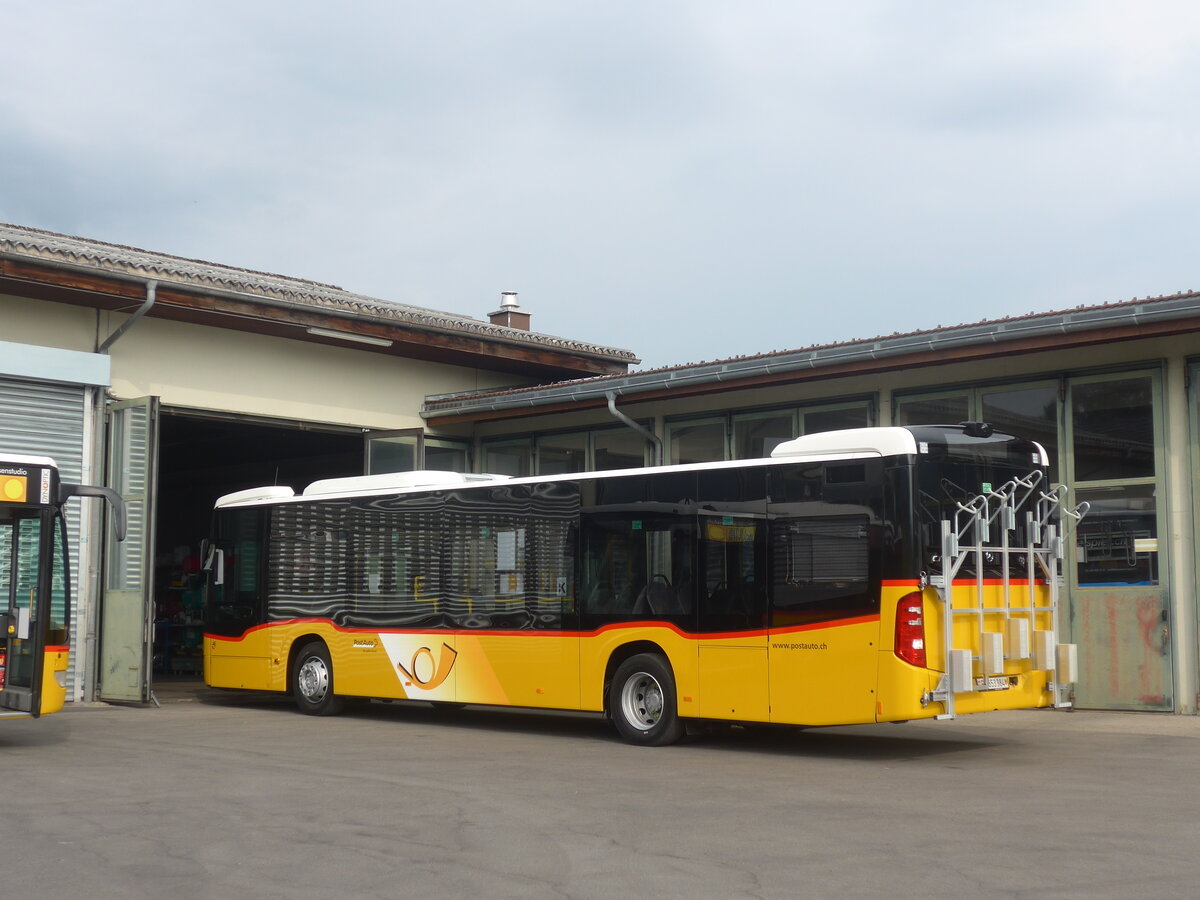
35 583
870 575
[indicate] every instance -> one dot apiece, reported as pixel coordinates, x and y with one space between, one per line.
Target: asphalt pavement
227 795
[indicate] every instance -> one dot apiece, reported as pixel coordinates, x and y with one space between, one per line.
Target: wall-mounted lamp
353 338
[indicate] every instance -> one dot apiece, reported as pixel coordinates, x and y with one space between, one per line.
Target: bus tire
312 681
642 701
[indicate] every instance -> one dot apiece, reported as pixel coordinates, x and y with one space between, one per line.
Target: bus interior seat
626 602
599 599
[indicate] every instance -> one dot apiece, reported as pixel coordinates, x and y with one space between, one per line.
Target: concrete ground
226 795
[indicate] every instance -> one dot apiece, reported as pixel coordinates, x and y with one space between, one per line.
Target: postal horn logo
427 671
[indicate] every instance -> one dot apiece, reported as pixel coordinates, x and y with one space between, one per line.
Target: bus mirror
215 564
120 519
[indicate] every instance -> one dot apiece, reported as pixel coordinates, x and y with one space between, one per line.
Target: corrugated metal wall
46 419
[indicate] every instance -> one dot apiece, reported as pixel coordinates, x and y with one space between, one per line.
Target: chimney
508 314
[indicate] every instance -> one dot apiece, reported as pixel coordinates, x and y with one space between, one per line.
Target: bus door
126 617
732 526
824 570
733 637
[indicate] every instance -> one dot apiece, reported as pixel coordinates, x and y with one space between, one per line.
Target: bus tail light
910 629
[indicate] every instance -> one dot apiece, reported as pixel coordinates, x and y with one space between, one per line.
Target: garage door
47 419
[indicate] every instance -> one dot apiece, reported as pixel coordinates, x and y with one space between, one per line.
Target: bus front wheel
642 701
312 681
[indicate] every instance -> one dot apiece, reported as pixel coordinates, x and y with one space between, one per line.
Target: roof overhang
72 271
1082 327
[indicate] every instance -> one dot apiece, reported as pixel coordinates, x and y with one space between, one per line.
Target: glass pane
235 604
639 567
821 561
932 410
20 543
562 453
515 460
1117 541
60 597
702 442
621 448
1114 429
755 438
819 420
129 440
1029 413
392 454
445 456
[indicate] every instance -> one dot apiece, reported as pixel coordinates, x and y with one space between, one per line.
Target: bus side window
824 544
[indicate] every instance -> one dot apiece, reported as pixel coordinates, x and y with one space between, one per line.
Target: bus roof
886 441
830 446
17 459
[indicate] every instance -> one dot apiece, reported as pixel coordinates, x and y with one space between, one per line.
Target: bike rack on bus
1043 552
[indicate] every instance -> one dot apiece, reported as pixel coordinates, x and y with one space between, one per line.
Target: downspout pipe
643 431
151 291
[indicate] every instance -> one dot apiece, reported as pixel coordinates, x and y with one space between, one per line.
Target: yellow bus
870 575
35 583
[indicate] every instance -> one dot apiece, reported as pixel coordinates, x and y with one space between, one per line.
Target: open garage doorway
199 460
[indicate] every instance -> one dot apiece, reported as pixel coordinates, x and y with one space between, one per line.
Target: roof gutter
644 432
518 339
151 292
1171 309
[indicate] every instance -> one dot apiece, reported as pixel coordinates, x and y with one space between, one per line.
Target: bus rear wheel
642 701
312 681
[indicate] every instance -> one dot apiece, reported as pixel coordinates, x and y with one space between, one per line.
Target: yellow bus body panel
825 675
54 695
733 678
902 686
836 673
240 662
597 648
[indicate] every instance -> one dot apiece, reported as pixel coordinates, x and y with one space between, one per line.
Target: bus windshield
953 469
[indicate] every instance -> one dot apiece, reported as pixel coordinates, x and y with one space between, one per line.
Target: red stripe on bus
615 626
832 623
967 582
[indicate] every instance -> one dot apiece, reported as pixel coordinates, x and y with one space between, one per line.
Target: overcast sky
687 180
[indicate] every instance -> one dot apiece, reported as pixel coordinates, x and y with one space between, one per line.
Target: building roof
1084 325
31 258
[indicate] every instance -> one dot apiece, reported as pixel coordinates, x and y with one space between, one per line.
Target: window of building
835 418
559 454
1026 410
447 456
1030 412
696 440
1112 438
512 458
618 448
411 450
755 435
1113 429
1117 541
941 409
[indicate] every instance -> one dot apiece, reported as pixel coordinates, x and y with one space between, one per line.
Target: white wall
203 368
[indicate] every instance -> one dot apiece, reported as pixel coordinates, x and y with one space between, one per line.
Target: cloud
688 180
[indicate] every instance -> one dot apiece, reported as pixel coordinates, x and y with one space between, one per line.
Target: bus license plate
992 683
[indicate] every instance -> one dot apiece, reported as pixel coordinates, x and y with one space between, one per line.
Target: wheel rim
313 679
642 701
